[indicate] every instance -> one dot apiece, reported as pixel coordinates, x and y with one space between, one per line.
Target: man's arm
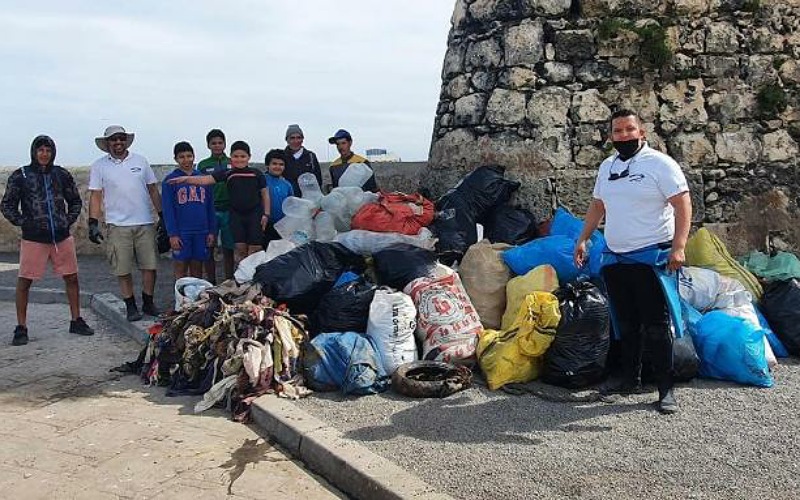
73 198
594 215
155 196
11 198
95 203
682 204
195 180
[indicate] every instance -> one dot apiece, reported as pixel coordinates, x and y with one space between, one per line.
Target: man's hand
579 254
677 258
264 221
211 240
94 231
175 243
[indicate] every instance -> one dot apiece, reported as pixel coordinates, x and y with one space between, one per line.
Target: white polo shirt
124 184
637 211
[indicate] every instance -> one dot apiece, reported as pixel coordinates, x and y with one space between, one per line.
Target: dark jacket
296 167
44 202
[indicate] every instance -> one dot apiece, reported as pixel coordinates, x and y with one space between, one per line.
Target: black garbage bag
400 264
577 356
781 306
467 204
685 361
512 225
344 309
302 276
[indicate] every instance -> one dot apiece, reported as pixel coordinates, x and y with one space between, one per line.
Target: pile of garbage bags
370 291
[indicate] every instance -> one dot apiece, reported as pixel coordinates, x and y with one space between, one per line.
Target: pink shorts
33 258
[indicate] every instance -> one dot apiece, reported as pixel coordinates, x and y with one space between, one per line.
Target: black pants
642 318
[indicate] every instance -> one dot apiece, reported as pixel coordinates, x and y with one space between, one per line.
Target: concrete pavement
72 429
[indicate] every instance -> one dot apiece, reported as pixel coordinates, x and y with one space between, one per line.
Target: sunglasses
614 176
117 138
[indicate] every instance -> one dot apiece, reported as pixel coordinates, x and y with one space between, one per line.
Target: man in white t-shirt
126 187
644 197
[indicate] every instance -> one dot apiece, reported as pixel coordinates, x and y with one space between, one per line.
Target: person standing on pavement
219 162
125 186
344 143
188 216
43 200
644 198
299 160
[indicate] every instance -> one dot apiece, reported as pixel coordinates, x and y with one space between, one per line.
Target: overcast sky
171 70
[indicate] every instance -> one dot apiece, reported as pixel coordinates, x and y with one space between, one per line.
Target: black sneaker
20 335
620 386
133 313
80 327
667 405
150 309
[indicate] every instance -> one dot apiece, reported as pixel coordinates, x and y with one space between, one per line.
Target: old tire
430 379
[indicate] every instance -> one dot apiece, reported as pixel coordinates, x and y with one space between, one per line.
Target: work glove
94 231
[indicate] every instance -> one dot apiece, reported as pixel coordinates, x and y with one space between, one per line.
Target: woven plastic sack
515 355
704 249
395 213
783 266
485 277
392 321
541 279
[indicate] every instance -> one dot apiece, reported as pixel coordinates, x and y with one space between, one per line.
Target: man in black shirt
299 160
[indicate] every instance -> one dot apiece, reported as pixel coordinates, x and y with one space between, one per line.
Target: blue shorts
193 247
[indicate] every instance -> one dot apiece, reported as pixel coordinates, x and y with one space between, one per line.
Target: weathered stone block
766 42
594 71
453 61
691 7
719 66
732 106
550 7
549 107
524 44
722 38
692 150
483 81
557 72
684 103
460 14
588 107
790 72
519 78
590 157
470 109
779 146
638 96
553 147
506 107
624 44
484 54
572 45
458 87
738 147
759 70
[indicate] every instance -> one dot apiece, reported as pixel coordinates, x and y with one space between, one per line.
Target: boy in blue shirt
188 216
279 189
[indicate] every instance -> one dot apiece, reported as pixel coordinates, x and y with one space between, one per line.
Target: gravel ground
728 441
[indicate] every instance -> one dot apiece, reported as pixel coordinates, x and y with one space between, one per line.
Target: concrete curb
43 296
347 465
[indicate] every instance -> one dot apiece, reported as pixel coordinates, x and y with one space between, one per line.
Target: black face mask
627 149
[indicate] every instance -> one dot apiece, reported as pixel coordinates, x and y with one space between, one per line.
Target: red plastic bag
395 213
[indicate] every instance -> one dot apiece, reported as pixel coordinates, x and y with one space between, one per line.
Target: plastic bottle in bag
298 230
324 227
309 187
357 174
299 207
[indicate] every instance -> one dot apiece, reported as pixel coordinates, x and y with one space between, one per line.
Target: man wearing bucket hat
125 185
344 142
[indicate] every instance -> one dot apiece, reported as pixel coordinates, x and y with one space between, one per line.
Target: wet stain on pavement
250 452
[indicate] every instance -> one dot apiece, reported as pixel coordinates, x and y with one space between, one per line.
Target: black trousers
642 319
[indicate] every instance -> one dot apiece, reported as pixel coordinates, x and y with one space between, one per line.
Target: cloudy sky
169 71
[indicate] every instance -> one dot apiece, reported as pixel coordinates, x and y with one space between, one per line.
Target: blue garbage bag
732 349
344 361
774 342
554 250
566 224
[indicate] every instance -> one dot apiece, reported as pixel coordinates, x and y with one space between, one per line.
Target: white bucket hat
102 142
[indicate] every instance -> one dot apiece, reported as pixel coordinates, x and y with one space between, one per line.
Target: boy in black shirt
249 199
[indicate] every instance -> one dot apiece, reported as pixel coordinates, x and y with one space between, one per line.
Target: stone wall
531 84
400 176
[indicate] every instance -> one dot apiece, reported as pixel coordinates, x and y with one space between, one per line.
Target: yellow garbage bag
538 279
485 276
705 249
515 355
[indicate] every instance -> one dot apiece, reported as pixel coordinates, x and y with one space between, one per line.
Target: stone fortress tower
530 84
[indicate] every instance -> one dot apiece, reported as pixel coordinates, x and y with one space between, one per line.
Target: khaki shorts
127 244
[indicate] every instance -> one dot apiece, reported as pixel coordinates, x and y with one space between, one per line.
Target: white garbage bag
369 242
188 290
391 324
